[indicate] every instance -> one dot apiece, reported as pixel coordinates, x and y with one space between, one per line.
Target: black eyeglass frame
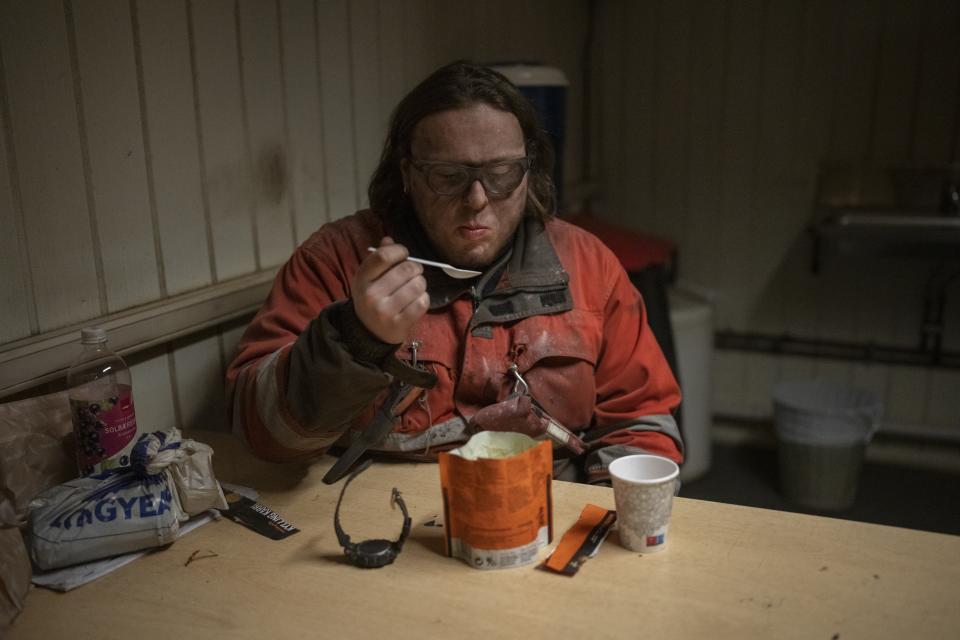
473 174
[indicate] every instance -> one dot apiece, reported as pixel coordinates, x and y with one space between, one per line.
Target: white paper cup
643 488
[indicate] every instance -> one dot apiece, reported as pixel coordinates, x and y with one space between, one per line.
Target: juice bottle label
105 431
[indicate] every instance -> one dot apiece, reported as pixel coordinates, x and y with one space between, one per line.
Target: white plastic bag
102 515
124 510
190 464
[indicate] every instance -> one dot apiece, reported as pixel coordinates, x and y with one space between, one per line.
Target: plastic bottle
101 404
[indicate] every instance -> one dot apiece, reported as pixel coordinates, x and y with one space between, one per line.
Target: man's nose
476 196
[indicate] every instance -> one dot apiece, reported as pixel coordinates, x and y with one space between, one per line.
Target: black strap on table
379 427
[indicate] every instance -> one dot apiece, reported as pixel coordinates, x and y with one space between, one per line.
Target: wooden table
729 572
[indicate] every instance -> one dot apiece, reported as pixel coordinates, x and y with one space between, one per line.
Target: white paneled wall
112 148
171 138
711 121
306 166
59 248
148 149
15 284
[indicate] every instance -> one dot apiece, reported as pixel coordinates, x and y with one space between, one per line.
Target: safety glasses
451 179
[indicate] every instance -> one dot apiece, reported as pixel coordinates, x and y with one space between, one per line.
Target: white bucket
824 413
823 429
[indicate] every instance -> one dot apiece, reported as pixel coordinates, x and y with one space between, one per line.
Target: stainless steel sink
872 231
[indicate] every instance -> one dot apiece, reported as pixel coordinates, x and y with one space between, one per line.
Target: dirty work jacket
307 374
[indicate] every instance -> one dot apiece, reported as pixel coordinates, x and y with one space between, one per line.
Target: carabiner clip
518 381
413 348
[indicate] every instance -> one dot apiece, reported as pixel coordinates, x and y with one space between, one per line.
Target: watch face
374 547
372 553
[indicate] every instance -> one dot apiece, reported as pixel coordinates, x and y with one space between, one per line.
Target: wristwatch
371 554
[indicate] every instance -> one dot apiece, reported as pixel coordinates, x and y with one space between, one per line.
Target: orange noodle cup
497 499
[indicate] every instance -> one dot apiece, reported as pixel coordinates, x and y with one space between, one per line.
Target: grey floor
889 492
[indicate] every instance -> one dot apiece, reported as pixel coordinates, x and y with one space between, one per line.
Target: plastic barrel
823 429
692 321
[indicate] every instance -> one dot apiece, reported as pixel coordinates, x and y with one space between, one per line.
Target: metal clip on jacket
410 381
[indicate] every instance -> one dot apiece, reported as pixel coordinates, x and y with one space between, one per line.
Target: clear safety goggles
452 179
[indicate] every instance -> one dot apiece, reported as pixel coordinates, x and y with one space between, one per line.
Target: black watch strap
342 536
407 522
371 554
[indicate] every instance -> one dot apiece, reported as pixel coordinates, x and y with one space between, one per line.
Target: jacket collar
529 278
533 283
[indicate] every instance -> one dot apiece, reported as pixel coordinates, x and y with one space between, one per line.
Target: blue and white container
546 87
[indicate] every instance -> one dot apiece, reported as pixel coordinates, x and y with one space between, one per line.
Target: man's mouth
472 231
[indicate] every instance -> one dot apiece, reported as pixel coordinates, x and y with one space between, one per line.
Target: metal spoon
450 270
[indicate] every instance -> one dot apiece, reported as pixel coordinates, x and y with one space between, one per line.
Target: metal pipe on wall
786 344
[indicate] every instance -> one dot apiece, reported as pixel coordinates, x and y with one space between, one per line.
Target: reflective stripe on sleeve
278 422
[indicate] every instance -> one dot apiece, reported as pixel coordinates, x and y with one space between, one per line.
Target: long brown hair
458 85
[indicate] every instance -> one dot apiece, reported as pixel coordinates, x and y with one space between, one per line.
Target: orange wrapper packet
497 499
581 541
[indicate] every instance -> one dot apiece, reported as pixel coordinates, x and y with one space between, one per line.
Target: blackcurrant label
103 428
